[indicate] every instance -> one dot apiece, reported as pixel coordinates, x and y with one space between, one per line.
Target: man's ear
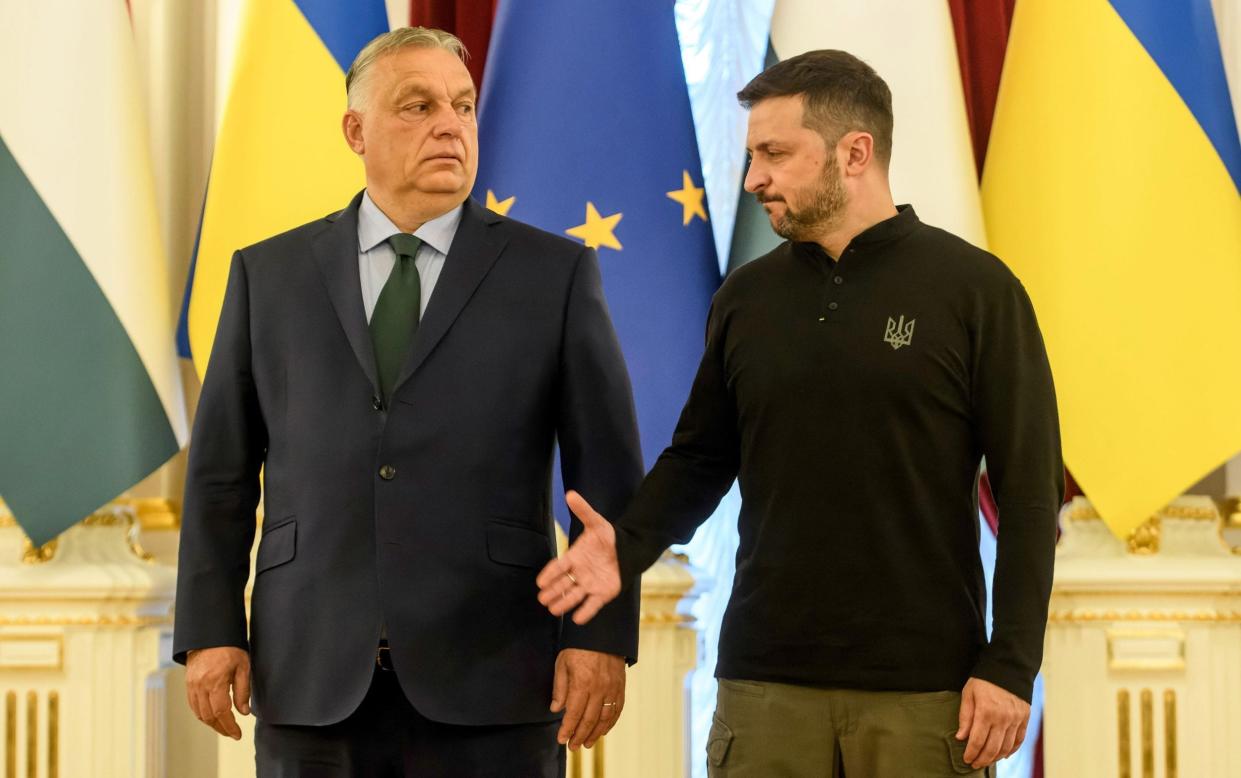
859 152
351 126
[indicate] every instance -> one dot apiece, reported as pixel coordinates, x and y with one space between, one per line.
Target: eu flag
586 131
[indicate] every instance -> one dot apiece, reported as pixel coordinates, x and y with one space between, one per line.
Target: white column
82 620
652 737
1143 657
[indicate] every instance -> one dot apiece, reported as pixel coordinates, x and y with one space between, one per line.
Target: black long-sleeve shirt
854 400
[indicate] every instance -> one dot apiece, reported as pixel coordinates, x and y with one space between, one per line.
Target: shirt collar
891 228
374 227
886 231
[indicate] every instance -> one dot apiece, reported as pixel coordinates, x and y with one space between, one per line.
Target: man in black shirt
853 379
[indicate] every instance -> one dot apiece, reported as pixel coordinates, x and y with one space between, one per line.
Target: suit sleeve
1016 422
600 453
222 490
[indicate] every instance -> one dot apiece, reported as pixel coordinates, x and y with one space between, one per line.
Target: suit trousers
387 738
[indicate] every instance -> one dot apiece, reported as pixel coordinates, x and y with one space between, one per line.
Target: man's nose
755 178
448 124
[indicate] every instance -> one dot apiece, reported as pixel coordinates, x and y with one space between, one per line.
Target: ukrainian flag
1112 189
280 158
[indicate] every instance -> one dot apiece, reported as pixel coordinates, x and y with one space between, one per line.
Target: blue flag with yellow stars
585 131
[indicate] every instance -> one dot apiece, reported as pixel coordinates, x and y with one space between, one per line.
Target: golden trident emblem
899 333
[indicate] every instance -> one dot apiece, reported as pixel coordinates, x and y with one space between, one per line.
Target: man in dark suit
400 371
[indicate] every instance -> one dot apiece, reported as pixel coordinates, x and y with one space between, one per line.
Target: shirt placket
832 307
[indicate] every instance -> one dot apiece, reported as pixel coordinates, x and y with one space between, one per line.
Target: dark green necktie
395 319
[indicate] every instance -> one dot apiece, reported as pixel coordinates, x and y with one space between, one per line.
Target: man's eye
417 107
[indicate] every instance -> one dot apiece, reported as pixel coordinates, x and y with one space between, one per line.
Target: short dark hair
842 94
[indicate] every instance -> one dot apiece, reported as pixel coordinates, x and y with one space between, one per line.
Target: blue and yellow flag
586 131
1112 187
280 158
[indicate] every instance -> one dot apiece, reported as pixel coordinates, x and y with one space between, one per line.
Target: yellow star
499 206
690 197
597 231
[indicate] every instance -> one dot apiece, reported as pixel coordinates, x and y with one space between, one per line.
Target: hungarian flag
90 390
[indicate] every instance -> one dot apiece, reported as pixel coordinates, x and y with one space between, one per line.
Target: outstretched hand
587 576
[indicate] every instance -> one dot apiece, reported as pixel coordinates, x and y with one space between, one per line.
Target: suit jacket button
387 472
377 403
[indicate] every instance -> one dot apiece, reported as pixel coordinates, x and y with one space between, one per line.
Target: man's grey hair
402 38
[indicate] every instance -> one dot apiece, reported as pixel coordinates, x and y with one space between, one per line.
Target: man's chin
443 184
781 226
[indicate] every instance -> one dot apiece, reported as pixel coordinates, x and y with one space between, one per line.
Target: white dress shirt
376 258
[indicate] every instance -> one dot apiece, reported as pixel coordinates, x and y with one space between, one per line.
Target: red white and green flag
90 394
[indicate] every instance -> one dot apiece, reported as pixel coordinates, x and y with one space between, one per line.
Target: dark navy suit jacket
431 516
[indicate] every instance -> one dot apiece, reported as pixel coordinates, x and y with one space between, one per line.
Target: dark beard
826 204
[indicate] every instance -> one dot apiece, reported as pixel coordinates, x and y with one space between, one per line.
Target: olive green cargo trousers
774 730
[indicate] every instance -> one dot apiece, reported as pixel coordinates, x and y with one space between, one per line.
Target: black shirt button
838 280
387 472
832 306
377 403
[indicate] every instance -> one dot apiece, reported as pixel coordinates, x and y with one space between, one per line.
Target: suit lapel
475 248
336 252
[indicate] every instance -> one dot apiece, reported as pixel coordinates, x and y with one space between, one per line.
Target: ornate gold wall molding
122 620
587 763
1192 524
39 721
1171 763
117 515
133 514
1085 616
1145 537
10 735
1148 733
32 734
1232 509
1082 510
42 651
155 513
1146 729
664 618
665 588
1124 734
37 556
